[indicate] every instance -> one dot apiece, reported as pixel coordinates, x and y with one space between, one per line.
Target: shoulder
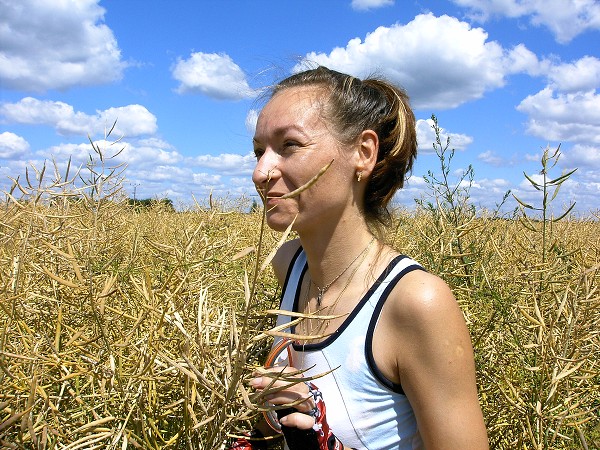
422 296
422 313
283 257
434 361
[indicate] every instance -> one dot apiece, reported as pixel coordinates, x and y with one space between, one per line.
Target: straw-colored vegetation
123 326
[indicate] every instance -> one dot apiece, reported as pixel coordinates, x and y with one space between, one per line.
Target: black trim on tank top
289 273
328 340
397 388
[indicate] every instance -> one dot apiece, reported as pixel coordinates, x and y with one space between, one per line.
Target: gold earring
359 176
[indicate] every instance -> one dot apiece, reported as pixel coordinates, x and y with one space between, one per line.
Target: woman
395 344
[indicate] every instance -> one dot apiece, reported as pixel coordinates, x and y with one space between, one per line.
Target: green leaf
533 183
565 213
555 192
523 204
562 177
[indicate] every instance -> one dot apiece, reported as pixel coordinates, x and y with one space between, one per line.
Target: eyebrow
282 130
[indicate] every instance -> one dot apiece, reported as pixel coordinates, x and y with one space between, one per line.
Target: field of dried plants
129 327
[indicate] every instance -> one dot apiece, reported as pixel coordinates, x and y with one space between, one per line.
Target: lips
269 195
273 198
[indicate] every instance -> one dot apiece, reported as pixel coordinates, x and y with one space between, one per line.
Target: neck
328 252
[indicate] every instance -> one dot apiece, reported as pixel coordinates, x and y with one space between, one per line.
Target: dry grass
534 325
126 332
138 328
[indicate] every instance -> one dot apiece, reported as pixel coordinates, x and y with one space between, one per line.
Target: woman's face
292 143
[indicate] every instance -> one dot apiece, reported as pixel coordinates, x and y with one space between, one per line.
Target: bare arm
435 364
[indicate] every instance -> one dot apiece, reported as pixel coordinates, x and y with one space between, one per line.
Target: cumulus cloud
227 163
489 192
160 173
142 154
532 157
565 19
365 5
212 74
581 75
522 60
436 76
583 156
154 168
12 146
563 117
78 154
426 137
492 159
207 179
49 44
149 154
132 120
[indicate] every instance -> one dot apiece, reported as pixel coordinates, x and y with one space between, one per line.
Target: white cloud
581 156
206 179
535 157
160 173
33 111
243 182
483 9
492 159
496 183
365 5
132 120
426 137
212 74
79 153
153 168
414 181
151 153
561 117
227 163
251 119
436 76
48 44
12 146
487 193
566 19
522 60
581 75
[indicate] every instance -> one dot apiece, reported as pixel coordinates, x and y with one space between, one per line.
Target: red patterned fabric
249 442
320 437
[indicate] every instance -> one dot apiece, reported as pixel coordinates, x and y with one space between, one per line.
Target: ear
367 152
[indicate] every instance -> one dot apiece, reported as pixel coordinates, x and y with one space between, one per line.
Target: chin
278 222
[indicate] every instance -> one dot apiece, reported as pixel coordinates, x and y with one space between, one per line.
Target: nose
266 169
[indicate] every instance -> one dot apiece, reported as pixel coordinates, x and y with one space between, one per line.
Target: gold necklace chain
322 290
330 308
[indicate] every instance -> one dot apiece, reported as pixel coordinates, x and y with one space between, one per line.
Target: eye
290 144
258 152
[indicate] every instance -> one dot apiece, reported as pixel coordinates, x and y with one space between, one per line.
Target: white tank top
364 409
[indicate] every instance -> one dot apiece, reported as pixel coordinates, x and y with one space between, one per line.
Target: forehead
293 107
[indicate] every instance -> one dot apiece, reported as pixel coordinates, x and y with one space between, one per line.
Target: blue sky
506 78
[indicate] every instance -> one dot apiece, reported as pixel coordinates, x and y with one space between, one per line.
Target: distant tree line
144 203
